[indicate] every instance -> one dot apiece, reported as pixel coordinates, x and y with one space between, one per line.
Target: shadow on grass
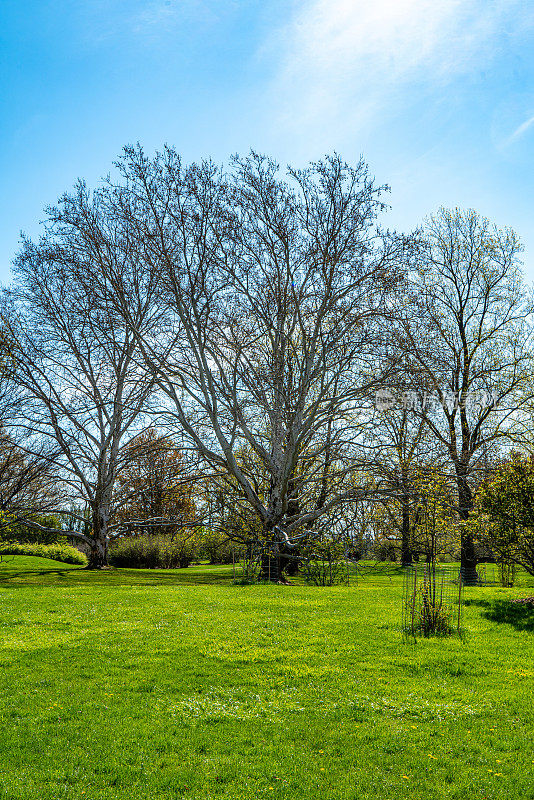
79 576
520 615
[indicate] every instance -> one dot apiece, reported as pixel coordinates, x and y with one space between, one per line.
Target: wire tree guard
431 599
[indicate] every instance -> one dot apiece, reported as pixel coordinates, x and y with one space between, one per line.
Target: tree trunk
406 550
98 557
468 566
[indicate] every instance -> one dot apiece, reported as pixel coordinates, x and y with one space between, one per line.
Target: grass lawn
146 684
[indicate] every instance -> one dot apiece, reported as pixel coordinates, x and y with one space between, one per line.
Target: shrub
433 617
385 551
154 552
219 549
323 563
56 552
431 600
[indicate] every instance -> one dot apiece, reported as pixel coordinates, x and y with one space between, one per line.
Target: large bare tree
268 295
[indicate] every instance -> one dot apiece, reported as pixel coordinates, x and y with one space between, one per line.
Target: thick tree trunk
98 557
406 549
468 567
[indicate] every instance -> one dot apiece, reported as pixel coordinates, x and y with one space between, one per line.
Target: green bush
57 552
385 551
324 563
154 552
218 548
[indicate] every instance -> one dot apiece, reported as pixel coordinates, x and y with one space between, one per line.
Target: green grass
165 684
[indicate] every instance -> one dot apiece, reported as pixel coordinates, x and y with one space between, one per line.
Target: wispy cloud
344 61
520 130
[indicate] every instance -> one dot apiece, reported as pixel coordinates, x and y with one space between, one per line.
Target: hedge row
56 552
153 552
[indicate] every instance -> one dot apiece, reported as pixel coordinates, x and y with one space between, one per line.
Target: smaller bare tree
468 344
76 364
28 485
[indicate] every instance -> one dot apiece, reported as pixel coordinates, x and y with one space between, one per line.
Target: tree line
310 373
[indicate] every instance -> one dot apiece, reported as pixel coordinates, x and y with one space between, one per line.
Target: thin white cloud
344 61
521 130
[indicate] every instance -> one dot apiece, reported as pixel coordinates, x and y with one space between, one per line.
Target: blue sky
438 95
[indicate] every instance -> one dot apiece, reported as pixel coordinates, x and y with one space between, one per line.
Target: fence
431 599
